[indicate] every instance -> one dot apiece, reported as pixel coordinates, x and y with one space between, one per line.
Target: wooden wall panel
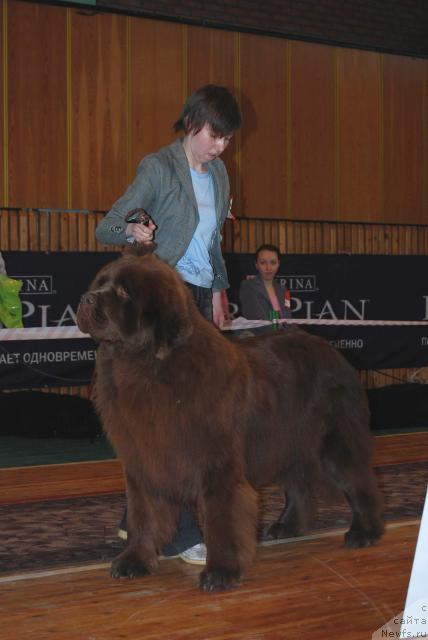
49 230
293 236
328 134
359 136
98 109
36 104
45 229
311 158
156 63
424 216
404 139
213 57
4 198
264 137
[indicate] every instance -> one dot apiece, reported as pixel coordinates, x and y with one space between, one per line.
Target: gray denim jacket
163 187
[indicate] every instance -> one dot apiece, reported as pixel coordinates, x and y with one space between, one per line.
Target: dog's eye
98 283
121 293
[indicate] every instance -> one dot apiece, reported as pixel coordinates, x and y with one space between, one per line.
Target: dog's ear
174 323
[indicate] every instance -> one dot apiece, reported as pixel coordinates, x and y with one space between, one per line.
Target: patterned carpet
59 533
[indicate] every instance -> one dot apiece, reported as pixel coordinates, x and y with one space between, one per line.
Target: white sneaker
195 555
122 534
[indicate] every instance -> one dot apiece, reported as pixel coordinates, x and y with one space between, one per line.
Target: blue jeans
204 300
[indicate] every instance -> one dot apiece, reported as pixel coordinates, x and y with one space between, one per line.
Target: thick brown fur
200 419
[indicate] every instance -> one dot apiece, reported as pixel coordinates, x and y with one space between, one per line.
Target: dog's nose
88 298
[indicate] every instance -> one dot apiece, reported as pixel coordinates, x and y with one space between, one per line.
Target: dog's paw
357 539
277 530
128 567
218 580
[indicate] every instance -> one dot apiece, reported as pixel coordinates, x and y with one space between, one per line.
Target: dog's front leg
230 519
151 523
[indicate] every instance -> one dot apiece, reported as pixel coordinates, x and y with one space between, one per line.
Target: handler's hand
141 232
218 311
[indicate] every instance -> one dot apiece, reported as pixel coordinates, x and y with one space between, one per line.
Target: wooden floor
305 588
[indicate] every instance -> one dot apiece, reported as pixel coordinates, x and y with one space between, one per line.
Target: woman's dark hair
268 247
211 104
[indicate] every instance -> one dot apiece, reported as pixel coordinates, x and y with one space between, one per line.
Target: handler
185 189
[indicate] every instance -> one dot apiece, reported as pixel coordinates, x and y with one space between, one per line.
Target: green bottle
274 318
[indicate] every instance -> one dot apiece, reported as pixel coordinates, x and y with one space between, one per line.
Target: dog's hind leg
300 506
367 524
351 471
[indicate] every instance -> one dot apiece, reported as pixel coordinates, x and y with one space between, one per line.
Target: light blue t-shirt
195 266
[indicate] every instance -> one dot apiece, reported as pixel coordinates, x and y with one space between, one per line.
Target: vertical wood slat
98 109
311 131
36 93
50 230
404 139
244 235
82 233
264 137
43 238
4 107
33 231
359 121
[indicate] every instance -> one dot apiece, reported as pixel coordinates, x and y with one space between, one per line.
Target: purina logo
36 285
299 284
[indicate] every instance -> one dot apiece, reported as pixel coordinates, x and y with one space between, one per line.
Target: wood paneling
49 230
328 134
156 64
98 110
404 139
213 57
4 198
312 161
36 74
44 230
359 128
294 236
264 136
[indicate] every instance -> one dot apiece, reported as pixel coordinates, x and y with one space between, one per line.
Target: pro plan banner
354 288
330 287
345 287
52 285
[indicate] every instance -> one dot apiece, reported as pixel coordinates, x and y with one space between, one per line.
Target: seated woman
260 295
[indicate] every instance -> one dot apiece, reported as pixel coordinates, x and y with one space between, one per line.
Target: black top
255 302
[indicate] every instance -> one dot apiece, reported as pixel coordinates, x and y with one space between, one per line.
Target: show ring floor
82 530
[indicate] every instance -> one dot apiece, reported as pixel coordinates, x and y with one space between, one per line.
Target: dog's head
137 302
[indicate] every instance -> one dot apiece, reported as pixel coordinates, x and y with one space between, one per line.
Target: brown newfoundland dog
200 419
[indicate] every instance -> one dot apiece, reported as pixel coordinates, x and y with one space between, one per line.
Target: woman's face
267 264
205 145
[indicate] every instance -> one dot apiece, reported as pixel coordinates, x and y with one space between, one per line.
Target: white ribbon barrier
67 333
42 333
